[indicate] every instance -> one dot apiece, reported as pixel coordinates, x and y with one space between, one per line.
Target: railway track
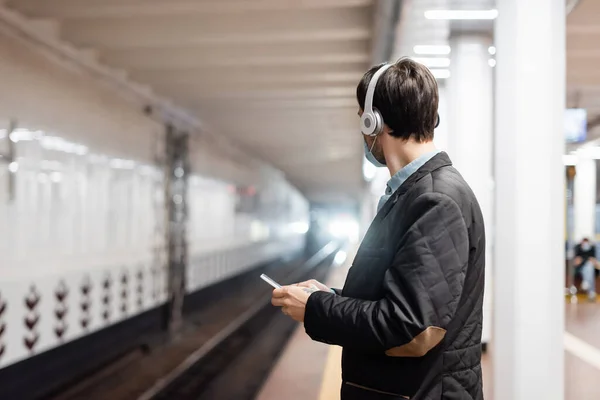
234 363
222 330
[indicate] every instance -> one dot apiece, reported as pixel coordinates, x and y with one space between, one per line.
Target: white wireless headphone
371 122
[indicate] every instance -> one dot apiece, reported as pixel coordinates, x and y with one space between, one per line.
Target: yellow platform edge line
331 381
332 375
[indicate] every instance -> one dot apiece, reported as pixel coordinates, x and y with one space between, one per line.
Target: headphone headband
371 122
372 86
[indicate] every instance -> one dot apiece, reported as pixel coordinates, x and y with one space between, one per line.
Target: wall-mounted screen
575 125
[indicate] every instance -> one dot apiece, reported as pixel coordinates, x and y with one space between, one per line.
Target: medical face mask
586 246
369 155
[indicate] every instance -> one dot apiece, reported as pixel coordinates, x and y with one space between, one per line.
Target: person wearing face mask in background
410 313
585 264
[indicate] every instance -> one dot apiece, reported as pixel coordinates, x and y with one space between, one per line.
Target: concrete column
470 134
585 198
529 284
440 137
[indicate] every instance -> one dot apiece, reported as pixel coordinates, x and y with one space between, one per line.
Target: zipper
376 391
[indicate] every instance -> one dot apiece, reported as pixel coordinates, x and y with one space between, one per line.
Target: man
585 265
409 316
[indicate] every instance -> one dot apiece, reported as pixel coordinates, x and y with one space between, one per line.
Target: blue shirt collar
401 176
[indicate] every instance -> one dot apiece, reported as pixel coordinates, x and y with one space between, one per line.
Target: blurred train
82 237
84 217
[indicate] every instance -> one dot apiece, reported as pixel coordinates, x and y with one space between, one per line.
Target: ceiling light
569 159
433 62
589 151
432 50
461 14
440 73
492 50
492 62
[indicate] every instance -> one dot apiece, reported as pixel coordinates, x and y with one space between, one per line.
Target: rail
197 356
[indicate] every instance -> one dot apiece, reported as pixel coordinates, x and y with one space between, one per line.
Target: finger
281 292
277 302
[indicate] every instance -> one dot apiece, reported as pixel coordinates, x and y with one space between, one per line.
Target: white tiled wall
83 208
82 240
77 217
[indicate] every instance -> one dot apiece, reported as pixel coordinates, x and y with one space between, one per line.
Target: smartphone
270 281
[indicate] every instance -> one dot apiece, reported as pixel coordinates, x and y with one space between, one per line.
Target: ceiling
416 29
277 77
583 52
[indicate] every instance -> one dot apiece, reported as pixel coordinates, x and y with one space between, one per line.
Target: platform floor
309 370
315 365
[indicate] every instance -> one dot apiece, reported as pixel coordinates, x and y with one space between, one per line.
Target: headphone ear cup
438 121
378 123
368 124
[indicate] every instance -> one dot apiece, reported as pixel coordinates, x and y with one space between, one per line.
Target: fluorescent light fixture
440 73
431 50
344 228
492 62
299 227
590 151
433 62
21 135
55 177
492 50
461 14
570 159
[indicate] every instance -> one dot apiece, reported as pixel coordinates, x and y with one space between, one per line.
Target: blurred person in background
409 315
585 265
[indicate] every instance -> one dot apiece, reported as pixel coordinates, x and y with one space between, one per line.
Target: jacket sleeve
421 289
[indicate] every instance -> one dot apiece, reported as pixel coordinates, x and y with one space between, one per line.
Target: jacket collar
438 161
404 173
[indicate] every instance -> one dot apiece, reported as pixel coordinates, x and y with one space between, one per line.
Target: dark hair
406 95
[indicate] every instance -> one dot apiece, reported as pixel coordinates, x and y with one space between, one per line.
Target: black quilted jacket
409 316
